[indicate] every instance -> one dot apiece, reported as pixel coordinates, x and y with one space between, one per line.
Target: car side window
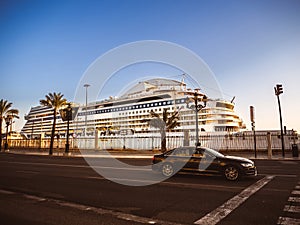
198 153
181 152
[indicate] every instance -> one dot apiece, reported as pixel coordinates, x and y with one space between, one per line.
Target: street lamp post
68 114
196 98
69 117
252 118
86 102
7 122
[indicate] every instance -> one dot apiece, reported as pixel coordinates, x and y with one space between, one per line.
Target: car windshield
213 152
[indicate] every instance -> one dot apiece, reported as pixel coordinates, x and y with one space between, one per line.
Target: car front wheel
231 173
167 169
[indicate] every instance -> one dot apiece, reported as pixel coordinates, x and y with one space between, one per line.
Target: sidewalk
145 154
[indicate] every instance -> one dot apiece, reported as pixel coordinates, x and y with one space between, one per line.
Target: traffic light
278 89
252 114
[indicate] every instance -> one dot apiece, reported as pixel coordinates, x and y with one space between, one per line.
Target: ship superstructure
126 115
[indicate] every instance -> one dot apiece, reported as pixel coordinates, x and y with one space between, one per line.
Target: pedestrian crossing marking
295 192
294 199
292 208
288 221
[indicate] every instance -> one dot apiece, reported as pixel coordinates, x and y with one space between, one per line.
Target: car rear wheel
167 169
232 173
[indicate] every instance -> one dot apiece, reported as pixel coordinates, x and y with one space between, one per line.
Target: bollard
295 152
269 145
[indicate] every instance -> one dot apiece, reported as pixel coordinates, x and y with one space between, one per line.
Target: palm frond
4 107
14 113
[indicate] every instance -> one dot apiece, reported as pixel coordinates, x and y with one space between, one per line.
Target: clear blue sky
46 46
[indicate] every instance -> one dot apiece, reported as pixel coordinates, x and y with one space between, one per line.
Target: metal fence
228 142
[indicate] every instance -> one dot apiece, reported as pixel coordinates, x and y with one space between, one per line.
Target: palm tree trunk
52 133
1 134
163 141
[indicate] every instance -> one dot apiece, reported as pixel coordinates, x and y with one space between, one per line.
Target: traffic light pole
281 128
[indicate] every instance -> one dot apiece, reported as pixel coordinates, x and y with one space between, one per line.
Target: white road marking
288 221
280 175
33 197
294 199
295 192
27 171
292 208
101 211
222 211
6 192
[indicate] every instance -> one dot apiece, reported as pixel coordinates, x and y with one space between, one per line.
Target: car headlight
246 164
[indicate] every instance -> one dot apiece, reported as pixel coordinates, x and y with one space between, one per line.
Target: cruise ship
126 114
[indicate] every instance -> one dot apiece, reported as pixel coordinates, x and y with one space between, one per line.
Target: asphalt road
65 190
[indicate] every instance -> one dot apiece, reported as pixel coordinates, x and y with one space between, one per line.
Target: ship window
224 105
164 103
151 104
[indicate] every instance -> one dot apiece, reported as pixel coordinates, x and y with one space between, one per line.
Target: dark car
202 160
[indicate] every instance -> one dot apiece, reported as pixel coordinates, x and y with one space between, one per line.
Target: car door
203 162
195 160
209 163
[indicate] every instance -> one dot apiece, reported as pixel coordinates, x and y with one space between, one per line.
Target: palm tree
168 122
55 101
4 112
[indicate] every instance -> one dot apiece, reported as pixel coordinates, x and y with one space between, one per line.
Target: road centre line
27 171
168 183
222 211
78 166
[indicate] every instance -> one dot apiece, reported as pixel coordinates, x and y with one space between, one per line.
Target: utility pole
279 90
